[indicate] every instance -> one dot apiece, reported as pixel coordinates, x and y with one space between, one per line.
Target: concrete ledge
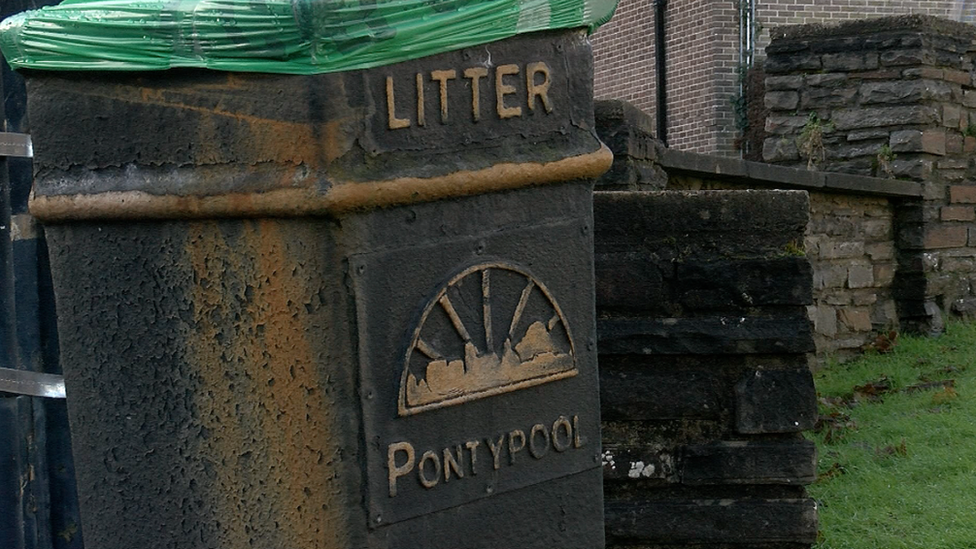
779 177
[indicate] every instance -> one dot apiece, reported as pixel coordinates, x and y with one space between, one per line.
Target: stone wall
849 240
850 243
628 132
895 98
705 385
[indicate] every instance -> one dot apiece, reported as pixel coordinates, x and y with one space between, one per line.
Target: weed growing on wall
810 143
794 248
882 163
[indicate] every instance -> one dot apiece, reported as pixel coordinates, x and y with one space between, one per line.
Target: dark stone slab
635 393
850 61
908 57
872 117
781 100
840 182
899 92
896 39
770 401
743 284
826 80
791 82
711 521
808 62
766 220
821 97
656 285
781 177
787 46
790 461
784 334
635 281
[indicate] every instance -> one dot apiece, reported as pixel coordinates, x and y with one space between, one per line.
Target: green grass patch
897 446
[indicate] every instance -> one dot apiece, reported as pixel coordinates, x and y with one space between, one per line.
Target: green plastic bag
279 36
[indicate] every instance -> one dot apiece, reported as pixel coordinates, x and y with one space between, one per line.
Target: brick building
710 45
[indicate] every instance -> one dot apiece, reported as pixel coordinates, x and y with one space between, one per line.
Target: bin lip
342 197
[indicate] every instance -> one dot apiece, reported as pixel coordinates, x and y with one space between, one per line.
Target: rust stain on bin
268 139
269 417
341 197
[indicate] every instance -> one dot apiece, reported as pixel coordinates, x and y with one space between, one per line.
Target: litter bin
342 310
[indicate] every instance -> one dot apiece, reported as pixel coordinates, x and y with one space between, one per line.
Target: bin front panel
477 362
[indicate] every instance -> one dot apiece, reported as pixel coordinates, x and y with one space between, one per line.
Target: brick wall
703 58
702 46
702 62
623 55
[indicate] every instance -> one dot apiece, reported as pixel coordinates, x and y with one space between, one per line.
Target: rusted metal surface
211 391
376 329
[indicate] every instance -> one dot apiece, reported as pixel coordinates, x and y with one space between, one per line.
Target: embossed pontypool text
533 81
454 462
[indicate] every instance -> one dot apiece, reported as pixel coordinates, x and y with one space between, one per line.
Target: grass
897 446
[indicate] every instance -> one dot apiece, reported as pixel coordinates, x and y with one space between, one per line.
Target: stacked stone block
850 244
628 132
777 13
893 98
705 386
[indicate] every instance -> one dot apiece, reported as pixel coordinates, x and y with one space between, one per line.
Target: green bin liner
275 36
